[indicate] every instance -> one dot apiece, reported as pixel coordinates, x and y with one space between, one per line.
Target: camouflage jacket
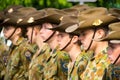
56 66
37 64
96 66
112 73
75 70
18 61
3 56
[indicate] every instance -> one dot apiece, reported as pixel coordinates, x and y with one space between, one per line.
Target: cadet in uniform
55 68
91 29
33 33
18 59
3 50
69 42
113 38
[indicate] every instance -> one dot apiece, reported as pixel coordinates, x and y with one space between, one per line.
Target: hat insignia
97 22
10 10
61 18
30 20
19 20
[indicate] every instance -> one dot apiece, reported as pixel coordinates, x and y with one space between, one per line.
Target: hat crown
92 12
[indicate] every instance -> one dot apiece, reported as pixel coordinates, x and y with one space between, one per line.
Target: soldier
113 38
3 50
90 30
3 46
69 42
18 60
38 60
55 68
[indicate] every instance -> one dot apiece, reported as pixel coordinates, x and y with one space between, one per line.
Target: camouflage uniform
18 61
56 66
37 64
112 73
75 70
96 66
3 56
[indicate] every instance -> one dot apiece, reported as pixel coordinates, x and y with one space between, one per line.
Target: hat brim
54 18
113 35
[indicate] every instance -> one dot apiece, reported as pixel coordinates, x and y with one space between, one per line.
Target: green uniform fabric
18 61
96 66
36 67
3 56
77 68
56 66
112 73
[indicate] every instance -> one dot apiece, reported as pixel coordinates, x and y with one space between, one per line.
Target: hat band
115 41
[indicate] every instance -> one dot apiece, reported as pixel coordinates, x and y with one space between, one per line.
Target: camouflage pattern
77 68
56 66
18 61
96 66
37 64
3 56
112 73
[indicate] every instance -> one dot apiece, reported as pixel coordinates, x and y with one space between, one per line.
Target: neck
74 52
53 44
100 47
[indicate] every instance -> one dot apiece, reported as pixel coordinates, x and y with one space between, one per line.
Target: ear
100 33
75 39
18 31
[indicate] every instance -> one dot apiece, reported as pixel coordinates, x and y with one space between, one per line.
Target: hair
104 28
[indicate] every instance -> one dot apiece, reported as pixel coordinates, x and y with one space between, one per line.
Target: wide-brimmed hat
92 12
115 26
66 21
80 8
18 18
96 22
115 12
12 8
70 11
113 37
52 15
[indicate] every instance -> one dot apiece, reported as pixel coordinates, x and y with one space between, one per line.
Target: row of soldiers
77 43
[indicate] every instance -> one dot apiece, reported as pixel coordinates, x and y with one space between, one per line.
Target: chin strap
91 40
116 59
50 37
31 35
66 44
12 33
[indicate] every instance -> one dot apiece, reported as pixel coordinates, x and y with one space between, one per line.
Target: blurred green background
40 4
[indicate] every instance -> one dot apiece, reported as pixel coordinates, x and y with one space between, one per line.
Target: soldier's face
8 31
85 38
45 32
63 39
113 52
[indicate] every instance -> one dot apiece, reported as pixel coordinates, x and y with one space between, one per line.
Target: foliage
39 4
